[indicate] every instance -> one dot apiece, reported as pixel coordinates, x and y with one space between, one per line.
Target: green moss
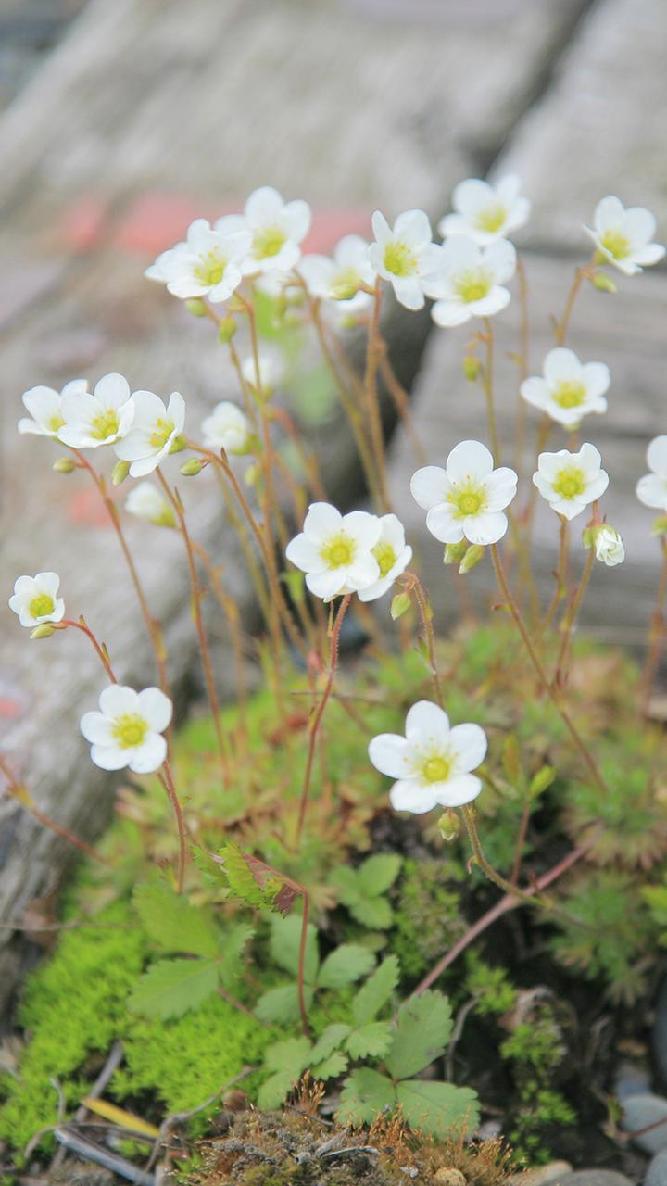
427 913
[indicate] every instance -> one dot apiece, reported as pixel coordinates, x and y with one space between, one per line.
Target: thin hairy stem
166 779
99 648
22 795
569 622
374 351
488 377
524 367
411 582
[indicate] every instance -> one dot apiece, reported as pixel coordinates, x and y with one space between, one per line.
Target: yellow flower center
211 268
569 394
55 422
345 284
467 499
268 242
385 556
129 730
41 605
570 482
338 551
473 285
162 430
616 243
436 768
400 260
105 425
492 218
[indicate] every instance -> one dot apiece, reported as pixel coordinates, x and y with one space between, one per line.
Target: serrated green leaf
236 872
376 991
372 912
423 1029
291 1055
172 922
274 1090
285 942
345 881
373 1039
378 873
347 963
231 953
331 1067
171 988
365 1095
328 1041
440 1109
281 1005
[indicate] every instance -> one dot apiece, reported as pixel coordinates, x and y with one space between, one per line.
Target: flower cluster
354 553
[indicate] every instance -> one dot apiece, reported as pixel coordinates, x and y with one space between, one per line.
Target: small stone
641 1111
656 1174
631 1079
592 1177
448 1175
541 1174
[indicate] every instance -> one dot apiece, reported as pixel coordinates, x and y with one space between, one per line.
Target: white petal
112 390
363 573
318 273
597 486
381 228
322 520
43 403
97 728
597 377
469 742
117 699
448 314
463 788
471 196
409 292
639 226
651 254
501 256
469 459
391 755
149 757
263 206
411 795
494 302
156 708
429 486
442 524
326 584
657 455
486 528
109 757
296 219
413 227
608 214
305 553
590 459
652 491
48 582
561 365
363 527
427 722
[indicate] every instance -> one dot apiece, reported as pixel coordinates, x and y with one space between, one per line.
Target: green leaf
273 1091
376 991
281 1005
347 963
345 881
373 1039
172 922
372 912
171 988
235 869
328 1041
378 873
291 1055
440 1109
331 1068
365 1095
285 943
423 1029
231 951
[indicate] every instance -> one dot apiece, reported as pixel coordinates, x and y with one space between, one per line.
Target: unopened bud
454 553
197 307
607 542
226 330
449 825
251 475
178 444
191 468
43 631
471 368
119 472
541 781
64 465
659 526
473 555
400 605
603 283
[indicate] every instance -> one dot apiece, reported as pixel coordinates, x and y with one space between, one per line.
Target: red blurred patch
84 223
10 709
87 508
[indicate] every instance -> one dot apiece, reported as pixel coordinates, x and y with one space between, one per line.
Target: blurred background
121 120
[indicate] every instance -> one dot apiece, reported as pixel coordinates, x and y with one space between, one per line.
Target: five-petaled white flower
652 488
146 502
35 599
45 407
336 551
486 212
470 280
405 256
340 279
127 731
227 428
98 419
608 544
271 371
208 264
276 229
432 763
623 237
570 388
570 481
392 554
154 430
467 499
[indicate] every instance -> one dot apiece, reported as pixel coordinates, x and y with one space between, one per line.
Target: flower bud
454 553
196 306
659 526
64 465
119 472
607 541
400 605
251 476
43 631
226 330
603 283
449 825
473 555
471 368
541 781
191 468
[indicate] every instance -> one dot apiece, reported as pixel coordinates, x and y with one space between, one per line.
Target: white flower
227 428
146 502
486 212
467 499
652 488
271 371
154 430
98 419
276 229
127 729
570 481
570 389
608 544
623 237
36 599
432 763
336 551
208 264
340 279
392 554
406 255
469 281
45 407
